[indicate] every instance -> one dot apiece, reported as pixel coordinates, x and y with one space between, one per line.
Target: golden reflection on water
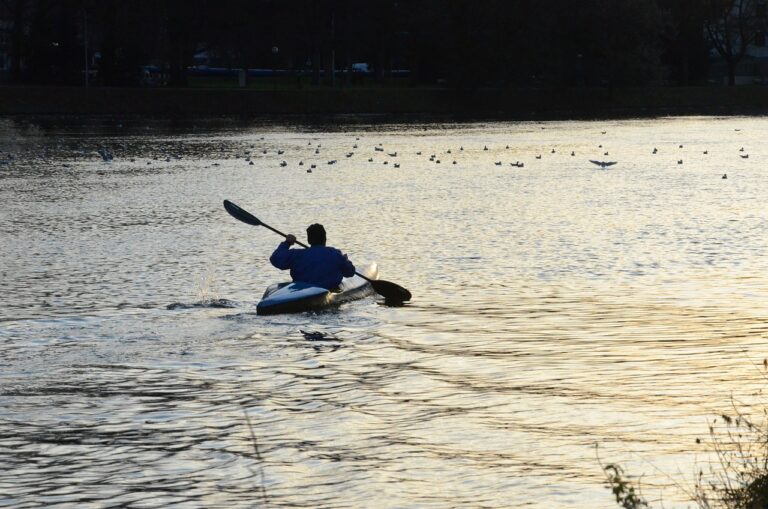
556 306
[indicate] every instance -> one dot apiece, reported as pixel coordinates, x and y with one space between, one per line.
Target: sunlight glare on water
557 305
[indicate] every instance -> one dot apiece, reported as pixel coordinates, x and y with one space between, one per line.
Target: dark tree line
456 43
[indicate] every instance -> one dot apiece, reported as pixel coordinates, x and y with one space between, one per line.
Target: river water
556 306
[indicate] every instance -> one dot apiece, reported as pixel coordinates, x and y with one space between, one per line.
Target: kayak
298 297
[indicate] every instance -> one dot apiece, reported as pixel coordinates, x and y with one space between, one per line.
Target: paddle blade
241 214
390 291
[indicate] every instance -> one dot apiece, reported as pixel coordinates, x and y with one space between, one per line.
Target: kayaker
317 265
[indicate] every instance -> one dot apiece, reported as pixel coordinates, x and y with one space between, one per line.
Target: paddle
392 292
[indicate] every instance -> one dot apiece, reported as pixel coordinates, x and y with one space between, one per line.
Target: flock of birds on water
108 156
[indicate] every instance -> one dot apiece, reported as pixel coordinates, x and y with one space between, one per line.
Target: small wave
209 303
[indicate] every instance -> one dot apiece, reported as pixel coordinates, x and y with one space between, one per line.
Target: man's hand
290 239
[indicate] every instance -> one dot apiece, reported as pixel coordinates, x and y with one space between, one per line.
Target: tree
16 12
732 26
53 46
685 45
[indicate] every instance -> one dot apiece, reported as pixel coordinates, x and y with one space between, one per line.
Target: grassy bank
486 103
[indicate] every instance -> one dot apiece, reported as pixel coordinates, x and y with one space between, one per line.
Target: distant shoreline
496 104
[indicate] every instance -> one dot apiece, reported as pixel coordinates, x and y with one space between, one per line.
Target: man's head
316 235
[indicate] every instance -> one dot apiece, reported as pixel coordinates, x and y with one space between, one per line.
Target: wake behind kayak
298 297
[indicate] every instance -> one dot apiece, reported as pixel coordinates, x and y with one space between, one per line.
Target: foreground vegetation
737 479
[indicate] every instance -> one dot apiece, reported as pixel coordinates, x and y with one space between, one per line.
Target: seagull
603 164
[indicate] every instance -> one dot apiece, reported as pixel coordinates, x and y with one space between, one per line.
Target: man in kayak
318 265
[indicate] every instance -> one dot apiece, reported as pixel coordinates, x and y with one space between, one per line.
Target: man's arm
347 268
282 256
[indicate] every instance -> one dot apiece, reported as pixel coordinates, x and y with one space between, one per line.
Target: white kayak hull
298 297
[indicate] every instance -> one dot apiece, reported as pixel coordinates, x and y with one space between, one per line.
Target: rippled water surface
556 305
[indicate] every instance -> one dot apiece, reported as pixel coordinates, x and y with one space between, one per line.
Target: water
555 306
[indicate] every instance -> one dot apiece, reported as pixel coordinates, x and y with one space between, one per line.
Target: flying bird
602 164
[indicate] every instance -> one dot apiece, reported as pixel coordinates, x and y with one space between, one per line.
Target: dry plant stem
262 486
623 490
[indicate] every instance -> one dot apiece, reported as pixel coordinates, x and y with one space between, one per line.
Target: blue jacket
317 265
